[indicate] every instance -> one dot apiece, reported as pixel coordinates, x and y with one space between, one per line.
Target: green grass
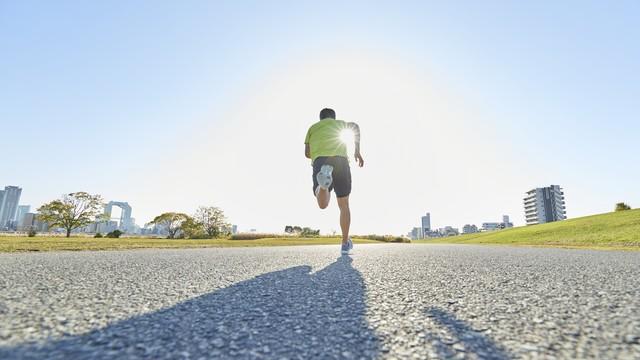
16 244
617 230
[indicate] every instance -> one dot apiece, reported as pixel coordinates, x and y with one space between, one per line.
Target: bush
32 232
308 232
385 238
97 235
114 234
622 206
255 236
199 236
304 232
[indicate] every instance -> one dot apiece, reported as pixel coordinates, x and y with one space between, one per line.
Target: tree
170 221
288 229
193 229
72 211
211 219
622 206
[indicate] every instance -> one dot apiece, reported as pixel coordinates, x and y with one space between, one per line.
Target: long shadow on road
289 313
471 341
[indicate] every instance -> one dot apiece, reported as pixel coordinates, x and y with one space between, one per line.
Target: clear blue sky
464 105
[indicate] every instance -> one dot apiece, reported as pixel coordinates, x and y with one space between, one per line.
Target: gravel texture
386 301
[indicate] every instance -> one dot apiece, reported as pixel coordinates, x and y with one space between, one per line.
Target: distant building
469 229
40 226
426 223
27 222
543 205
233 229
448 231
126 223
416 233
9 200
491 226
22 210
153 229
506 222
30 222
106 227
91 228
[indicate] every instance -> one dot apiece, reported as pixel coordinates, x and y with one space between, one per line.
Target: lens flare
346 136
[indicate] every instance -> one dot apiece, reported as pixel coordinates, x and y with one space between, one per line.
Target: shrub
114 234
622 206
385 238
308 232
32 232
255 236
98 235
304 232
199 235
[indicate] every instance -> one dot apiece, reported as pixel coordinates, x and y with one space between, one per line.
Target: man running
325 147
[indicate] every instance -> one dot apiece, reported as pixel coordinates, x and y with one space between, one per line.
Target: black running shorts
341 174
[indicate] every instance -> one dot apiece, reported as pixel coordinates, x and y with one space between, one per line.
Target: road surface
384 301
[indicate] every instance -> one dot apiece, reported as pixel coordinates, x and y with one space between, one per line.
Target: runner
325 147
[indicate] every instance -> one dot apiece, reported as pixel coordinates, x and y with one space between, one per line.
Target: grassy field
15 243
618 230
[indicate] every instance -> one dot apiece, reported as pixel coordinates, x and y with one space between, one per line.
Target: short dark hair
327 113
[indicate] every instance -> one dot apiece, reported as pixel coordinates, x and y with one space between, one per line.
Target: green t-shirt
323 138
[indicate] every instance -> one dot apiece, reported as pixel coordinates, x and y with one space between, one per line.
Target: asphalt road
387 301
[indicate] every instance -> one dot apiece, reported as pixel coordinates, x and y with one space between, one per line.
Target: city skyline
462 106
126 222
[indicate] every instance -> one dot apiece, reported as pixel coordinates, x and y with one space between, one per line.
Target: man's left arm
307 148
356 135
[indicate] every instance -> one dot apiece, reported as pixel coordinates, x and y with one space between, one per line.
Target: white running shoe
345 248
325 176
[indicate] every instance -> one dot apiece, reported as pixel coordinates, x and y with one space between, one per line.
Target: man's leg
323 196
345 217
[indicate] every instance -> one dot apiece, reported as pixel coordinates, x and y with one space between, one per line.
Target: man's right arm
356 134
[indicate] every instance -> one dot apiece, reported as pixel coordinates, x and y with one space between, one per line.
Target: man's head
327 113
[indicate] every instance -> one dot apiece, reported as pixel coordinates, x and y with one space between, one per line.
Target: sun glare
346 136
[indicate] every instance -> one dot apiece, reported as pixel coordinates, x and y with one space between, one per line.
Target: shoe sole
325 176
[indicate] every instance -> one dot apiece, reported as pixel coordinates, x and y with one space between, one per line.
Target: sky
463 106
